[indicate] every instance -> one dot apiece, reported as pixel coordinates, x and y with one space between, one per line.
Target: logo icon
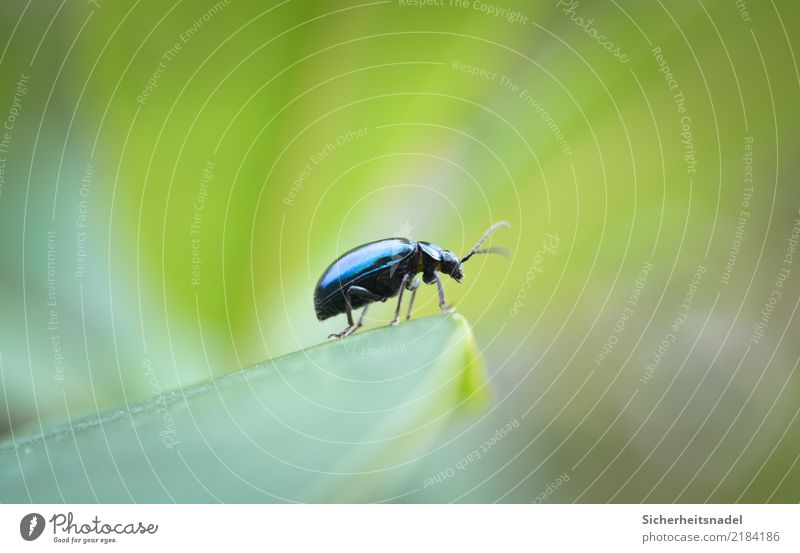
31 526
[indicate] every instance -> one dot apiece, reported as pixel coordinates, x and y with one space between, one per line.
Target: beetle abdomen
378 266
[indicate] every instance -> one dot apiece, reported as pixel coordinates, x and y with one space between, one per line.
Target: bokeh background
176 176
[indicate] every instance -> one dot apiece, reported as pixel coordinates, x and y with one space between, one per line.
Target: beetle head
450 265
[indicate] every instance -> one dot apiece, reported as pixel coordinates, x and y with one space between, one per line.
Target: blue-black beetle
386 268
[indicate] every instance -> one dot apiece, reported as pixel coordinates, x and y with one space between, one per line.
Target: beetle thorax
428 265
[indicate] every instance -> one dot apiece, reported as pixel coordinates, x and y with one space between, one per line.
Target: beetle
387 268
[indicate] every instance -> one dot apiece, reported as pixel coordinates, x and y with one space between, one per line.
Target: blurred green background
177 175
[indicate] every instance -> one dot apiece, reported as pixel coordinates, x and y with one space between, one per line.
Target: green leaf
342 421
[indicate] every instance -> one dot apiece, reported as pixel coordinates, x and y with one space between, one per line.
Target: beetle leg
351 326
362 293
360 322
413 287
442 304
346 332
403 285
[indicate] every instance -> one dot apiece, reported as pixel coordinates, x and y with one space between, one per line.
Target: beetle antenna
475 249
501 251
